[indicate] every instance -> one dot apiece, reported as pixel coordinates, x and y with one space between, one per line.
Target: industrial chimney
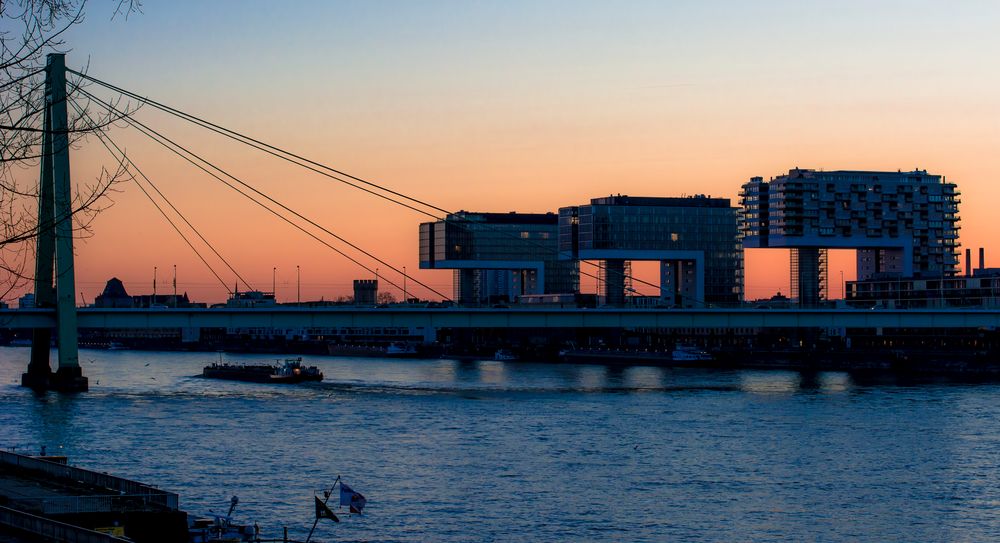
982 258
968 262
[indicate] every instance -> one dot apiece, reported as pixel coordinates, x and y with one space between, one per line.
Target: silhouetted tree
29 30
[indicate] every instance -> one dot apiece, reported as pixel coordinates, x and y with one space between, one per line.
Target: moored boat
690 353
401 350
221 528
680 355
505 355
396 349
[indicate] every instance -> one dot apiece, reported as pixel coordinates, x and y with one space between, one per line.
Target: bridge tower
55 283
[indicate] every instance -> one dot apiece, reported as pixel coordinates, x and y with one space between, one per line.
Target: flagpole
326 498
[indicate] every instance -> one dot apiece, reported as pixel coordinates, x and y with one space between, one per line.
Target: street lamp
274 280
404 284
298 285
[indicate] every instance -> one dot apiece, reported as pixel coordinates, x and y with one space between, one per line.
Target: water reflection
644 378
788 382
836 382
594 377
770 382
492 372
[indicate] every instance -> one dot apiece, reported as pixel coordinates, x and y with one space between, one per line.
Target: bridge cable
161 139
105 139
170 144
281 153
270 149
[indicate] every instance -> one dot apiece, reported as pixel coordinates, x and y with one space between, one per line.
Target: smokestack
982 258
968 262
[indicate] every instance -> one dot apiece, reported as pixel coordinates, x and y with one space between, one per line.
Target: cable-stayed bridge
70 90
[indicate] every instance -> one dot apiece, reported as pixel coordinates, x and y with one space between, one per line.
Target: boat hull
260 374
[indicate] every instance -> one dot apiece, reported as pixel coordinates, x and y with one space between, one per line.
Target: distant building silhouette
979 287
115 296
251 298
365 291
27 301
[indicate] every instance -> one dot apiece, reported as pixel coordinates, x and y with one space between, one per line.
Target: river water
494 451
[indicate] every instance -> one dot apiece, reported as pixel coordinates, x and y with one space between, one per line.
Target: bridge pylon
55 283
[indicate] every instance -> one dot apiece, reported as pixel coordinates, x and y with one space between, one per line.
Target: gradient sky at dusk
529 106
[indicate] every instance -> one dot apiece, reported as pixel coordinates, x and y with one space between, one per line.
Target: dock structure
42 500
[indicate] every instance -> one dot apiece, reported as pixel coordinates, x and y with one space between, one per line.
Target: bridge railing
86 477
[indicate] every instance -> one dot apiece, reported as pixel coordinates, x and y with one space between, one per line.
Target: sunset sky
528 106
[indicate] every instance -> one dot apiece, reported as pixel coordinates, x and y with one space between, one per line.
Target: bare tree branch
30 30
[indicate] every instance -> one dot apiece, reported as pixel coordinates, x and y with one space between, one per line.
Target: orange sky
528 107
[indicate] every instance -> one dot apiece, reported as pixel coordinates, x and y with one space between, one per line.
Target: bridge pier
54 254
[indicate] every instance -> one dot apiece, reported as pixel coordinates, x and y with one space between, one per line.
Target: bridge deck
295 317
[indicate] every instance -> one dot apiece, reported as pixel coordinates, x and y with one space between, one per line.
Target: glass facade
637 225
478 245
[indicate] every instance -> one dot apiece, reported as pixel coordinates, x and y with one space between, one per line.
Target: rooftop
698 200
915 175
505 218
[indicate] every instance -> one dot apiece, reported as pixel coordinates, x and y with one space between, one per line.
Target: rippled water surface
493 451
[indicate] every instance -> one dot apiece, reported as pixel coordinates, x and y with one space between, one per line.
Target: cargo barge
290 372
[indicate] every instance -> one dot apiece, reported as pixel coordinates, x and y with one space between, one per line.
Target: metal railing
13 521
119 486
58 505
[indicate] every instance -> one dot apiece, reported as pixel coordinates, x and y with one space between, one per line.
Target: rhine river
494 451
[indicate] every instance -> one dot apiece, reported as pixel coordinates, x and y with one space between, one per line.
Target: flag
322 511
352 499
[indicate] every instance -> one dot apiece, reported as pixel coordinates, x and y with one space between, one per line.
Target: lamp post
404 284
175 286
298 285
274 282
843 286
154 286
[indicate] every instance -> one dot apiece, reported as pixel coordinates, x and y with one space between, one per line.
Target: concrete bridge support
54 256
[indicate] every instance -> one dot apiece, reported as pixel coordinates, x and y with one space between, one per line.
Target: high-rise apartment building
903 223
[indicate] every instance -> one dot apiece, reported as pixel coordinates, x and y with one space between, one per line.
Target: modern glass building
696 240
903 223
498 256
